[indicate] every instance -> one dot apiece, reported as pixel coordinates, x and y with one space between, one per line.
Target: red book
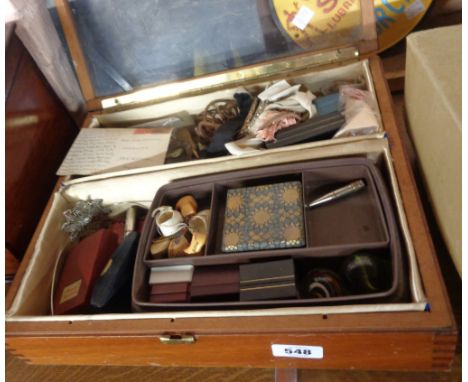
170 297
84 263
158 289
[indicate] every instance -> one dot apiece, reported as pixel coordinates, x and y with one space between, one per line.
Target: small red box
84 263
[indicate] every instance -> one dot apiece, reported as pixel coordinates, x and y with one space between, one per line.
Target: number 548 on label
297 351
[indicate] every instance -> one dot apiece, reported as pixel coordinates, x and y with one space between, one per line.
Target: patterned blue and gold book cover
264 217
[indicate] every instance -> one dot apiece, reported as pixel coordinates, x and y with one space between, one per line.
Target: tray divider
304 211
210 240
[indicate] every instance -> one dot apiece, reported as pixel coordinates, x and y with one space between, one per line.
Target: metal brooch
86 217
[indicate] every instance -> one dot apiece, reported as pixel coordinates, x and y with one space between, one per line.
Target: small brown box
215 281
272 280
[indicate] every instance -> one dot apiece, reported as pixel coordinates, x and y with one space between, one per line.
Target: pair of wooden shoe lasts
176 225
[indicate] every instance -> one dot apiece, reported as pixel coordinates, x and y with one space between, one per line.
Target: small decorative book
264 217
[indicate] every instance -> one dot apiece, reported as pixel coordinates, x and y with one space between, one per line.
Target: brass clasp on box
177 339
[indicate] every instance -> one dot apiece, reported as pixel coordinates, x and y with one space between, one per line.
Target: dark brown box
273 280
215 281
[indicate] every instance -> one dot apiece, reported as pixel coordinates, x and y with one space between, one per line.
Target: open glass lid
121 46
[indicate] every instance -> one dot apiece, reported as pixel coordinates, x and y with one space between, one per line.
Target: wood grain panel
379 351
443 352
424 248
73 41
18 371
38 133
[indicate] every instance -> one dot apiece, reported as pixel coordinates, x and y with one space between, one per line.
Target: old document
98 150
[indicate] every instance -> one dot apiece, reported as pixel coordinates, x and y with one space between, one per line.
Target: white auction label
297 351
303 17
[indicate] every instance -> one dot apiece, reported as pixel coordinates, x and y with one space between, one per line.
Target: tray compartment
383 237
169 197
335 264
215 246
355 219
302 264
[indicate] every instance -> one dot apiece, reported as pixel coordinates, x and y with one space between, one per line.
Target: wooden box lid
127 55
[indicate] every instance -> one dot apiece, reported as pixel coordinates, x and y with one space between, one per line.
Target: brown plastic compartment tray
344 220
324 174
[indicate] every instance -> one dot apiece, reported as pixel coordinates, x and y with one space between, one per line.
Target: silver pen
339 193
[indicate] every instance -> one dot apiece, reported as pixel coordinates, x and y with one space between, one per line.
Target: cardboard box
433 106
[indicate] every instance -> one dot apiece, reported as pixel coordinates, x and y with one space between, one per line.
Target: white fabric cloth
359 112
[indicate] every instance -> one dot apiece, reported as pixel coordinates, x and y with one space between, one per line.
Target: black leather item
315 129
109 287
228 131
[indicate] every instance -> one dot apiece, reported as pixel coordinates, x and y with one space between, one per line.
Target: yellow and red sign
319 23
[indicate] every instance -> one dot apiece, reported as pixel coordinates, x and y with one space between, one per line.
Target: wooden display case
416 335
